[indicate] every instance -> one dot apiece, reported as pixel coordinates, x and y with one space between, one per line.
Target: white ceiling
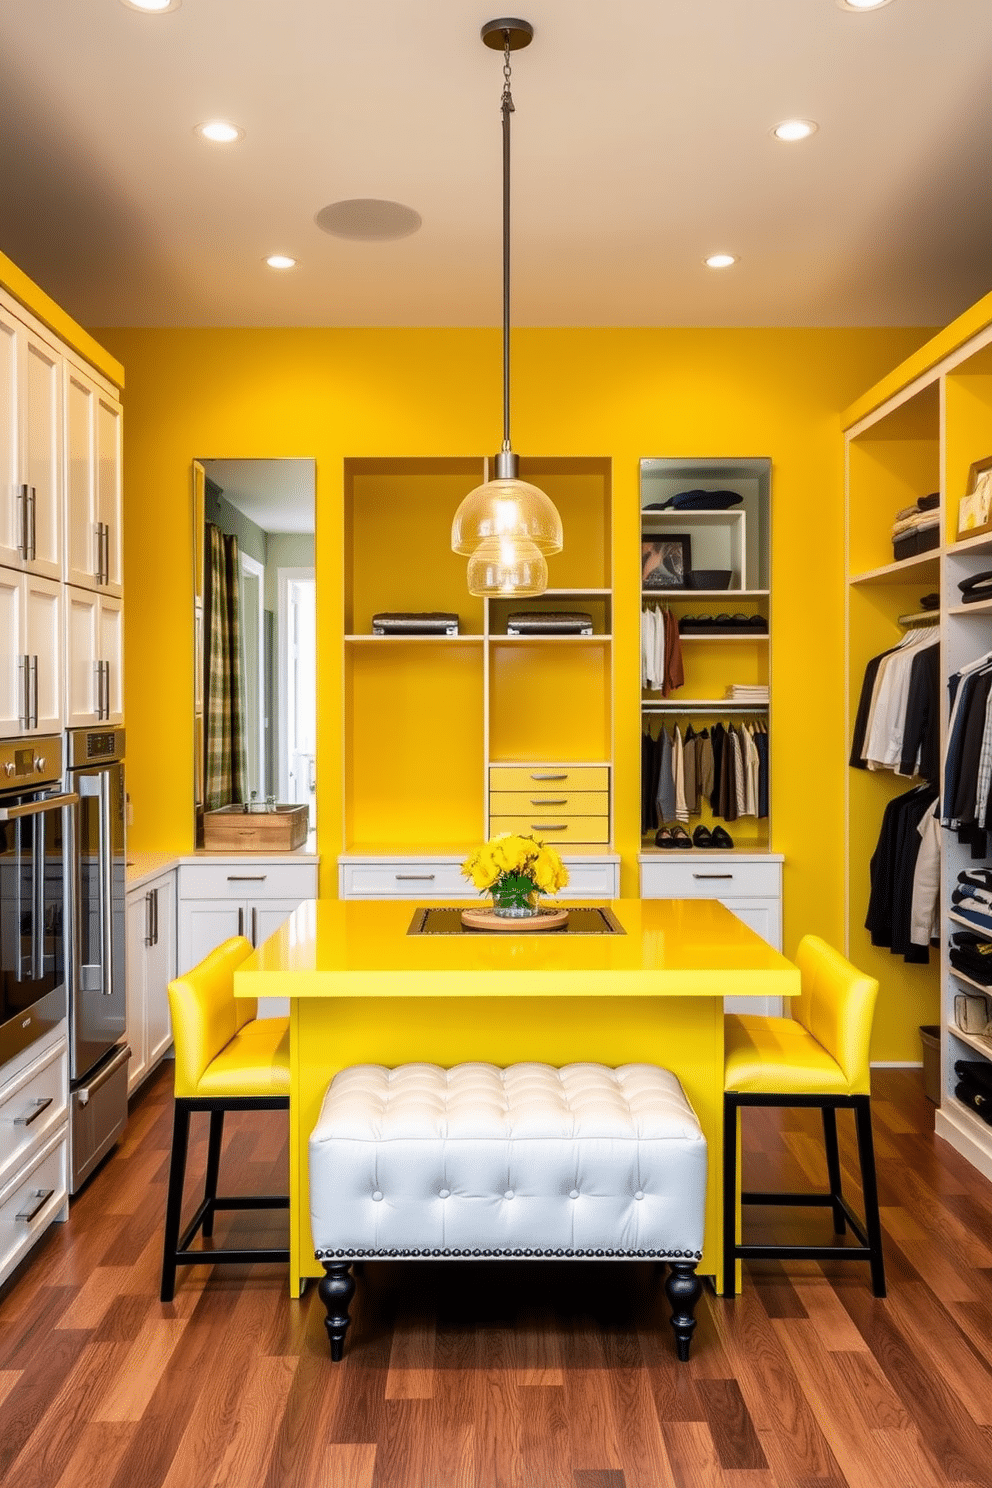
277 495
640 144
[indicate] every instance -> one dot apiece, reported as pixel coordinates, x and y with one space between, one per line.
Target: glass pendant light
514 521
510 566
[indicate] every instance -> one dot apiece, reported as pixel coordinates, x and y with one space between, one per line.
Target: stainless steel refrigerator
97 988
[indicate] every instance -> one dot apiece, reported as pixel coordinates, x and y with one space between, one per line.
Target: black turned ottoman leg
683 1289
174 1202
213 1170
833 1166
336 1289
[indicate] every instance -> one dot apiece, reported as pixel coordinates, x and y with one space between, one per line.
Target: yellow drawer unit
553 829
550 779
559 803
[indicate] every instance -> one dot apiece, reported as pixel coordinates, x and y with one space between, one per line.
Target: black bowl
710 578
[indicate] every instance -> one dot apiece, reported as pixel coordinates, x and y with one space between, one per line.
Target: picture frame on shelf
666 562
975 507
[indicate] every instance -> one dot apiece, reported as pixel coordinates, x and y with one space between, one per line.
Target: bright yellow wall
625 393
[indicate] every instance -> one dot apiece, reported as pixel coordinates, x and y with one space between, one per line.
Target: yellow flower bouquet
515 870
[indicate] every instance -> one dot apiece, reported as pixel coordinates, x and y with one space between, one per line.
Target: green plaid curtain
225 764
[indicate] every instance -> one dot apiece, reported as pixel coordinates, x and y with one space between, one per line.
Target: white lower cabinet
429 876
221 898
749 885
34 1137
151 966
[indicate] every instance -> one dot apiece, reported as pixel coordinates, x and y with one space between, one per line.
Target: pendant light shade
507 566
506 509
506 526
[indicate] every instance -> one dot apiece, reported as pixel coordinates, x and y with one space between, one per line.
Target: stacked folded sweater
972 897
975 1086
972 955
916 528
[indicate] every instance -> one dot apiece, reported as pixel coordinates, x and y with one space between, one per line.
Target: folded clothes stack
972 897
723 625
972 955
745 692
916 528
697 500
977 588
975 1086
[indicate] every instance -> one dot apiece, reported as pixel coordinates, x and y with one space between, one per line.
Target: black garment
893 864
972 954
921 731
761 744
864 709
719 744
963 807
647 759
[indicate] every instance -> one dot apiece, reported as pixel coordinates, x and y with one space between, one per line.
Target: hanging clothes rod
919 619
719 705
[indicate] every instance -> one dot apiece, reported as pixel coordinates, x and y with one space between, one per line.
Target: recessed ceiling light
280 261
719 260
368 219
862 4
794 129
155 6
220 131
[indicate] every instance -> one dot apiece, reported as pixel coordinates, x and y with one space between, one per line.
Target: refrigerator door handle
106 885
38 900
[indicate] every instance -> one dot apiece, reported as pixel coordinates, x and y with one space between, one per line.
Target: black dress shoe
680 837
702 837
720 838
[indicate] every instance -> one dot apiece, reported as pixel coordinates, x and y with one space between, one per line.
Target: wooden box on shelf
975 507
232 829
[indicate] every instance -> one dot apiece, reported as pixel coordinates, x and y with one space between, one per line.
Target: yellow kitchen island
363 990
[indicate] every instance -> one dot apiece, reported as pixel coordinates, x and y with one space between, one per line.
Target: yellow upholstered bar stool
817 1057
227 1059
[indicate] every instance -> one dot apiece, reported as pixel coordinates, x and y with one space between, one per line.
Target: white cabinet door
111 656
82 540
41 461
13 650
11 500
137 923
203 924
160 965
764 916
82 655
110 490
43 643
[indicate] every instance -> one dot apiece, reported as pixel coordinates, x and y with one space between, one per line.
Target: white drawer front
31 1202
388 879
588 879
32 1106
713 877
248 880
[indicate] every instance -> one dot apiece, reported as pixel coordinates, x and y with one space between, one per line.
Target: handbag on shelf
427 622
548 622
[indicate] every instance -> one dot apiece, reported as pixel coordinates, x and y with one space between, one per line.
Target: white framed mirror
255 620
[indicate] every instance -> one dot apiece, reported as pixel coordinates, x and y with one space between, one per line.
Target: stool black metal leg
683 1289
174 1203
730 1109
833 1166
336 1289
213 1170
869 1187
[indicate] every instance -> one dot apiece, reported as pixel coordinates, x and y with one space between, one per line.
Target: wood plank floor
513 1376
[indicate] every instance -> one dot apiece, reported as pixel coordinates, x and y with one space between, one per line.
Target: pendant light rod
508 35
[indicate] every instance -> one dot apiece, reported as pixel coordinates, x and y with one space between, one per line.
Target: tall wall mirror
255 623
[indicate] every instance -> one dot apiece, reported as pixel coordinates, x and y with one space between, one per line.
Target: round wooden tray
488 919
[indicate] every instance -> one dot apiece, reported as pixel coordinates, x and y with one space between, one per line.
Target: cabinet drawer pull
41 1104
549 826
550 777
247 877
712 875
42 1195
411 877
562 802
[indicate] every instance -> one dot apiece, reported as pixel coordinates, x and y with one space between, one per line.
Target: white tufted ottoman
529 1161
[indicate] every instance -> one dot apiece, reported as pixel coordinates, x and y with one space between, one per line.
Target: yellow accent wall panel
550 710
429 695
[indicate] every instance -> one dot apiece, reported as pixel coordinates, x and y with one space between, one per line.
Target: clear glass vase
516 899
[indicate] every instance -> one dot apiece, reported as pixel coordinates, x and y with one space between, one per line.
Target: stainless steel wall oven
33 891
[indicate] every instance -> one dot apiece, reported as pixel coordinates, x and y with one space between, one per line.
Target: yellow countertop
360 948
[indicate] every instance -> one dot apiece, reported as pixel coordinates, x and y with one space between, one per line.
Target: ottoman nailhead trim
363 1254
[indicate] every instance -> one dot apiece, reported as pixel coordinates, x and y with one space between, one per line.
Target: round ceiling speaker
368 220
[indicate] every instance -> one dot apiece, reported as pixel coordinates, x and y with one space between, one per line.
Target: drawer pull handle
712 875
42 1195
41 1104
550 777
247 877
562 802
549 826
414 877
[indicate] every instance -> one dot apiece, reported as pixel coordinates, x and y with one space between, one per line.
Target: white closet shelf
969 925
981 607
514 640
733 636
723 517
981 543
575 593
961 977
897 573
981 1043
699 705
665 595
390 640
